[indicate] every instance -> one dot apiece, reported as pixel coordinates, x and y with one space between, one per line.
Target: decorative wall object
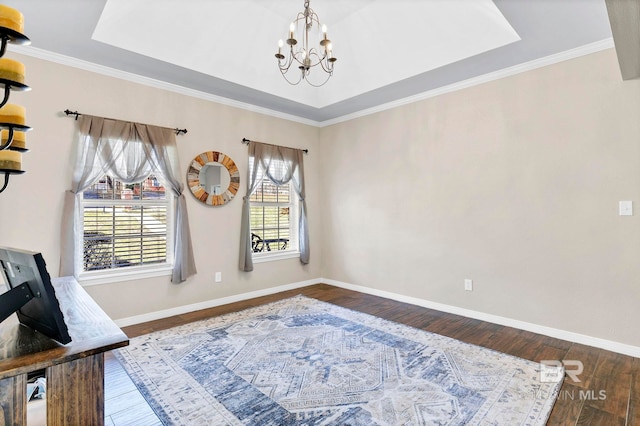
213 178
12 117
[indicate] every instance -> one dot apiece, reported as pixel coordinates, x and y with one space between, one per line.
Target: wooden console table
74 372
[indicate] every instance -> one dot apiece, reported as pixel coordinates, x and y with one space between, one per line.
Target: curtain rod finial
69 112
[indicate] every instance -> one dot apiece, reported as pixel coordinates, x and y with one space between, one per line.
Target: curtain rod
78 114
247 141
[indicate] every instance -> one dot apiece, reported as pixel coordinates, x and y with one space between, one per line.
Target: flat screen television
30 294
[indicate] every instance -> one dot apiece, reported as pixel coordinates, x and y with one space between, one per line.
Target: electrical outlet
218 277
468 285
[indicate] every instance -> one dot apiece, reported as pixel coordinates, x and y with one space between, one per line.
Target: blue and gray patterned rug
300 361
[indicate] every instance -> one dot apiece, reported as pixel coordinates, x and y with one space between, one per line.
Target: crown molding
485 78
157 84
135 78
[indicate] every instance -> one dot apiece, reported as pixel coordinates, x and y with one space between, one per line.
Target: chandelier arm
321 84
324 63
327 66
285 69
319 58
287 64
295 57
284 74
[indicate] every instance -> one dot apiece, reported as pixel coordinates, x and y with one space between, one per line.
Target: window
125 226
274 219
272 216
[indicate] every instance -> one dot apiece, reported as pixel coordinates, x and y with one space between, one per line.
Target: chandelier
308 48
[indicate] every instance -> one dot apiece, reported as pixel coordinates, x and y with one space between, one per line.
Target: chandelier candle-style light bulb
310 33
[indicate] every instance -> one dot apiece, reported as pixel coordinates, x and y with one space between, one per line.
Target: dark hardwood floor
608 392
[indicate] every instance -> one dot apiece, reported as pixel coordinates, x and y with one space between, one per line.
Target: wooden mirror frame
193 178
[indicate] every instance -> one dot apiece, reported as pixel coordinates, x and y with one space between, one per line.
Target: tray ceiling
387 50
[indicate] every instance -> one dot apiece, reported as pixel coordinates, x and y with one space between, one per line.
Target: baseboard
152 316
583 339
569 336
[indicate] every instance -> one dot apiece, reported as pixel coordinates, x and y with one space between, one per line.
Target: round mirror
213 178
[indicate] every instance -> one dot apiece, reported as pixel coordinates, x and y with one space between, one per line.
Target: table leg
75 392
13 400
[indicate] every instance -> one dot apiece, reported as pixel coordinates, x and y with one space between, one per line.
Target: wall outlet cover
468 285
625 208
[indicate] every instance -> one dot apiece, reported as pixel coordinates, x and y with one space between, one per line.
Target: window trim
129 273
272 256
126 273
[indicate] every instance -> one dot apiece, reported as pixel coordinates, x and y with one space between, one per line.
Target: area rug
300 361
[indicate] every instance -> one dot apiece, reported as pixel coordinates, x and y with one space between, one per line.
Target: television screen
25 274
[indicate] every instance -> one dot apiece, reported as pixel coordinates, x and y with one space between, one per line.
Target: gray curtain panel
281 165
129 152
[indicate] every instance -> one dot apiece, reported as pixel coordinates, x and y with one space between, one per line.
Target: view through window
124 224
273 218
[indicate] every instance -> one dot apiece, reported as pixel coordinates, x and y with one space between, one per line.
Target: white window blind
125 225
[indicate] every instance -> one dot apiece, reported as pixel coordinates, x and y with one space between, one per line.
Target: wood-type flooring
608 393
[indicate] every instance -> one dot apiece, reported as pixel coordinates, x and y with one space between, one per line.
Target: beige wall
514 184
32 205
